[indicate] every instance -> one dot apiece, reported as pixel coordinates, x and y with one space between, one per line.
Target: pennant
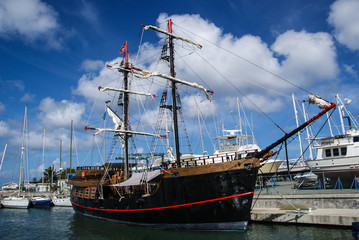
123 48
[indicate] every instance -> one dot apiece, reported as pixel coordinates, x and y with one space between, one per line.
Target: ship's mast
125 110
174 103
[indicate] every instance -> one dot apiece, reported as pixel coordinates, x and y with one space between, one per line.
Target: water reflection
89 228
63 223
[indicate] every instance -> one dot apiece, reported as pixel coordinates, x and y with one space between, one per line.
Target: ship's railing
95 168
90 168
209 159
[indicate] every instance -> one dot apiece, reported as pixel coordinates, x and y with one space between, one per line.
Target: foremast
125 111
122 127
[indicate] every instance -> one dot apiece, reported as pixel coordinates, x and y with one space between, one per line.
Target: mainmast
125 109
174 102
173 80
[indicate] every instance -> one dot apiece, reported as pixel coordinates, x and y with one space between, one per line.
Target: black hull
212 201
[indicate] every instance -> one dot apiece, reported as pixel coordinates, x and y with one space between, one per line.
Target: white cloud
60 113
351 71
90 14
267 104
344 18
195 104
33 21
308 56
4 129
12 84
28 97
92 65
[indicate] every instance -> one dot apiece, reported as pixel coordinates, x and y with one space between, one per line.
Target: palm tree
50 174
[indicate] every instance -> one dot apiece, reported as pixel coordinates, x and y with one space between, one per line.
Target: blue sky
53 56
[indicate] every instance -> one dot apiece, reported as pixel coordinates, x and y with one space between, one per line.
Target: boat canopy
139 178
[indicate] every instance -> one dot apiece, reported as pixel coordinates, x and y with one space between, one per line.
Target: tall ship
195 194
338 155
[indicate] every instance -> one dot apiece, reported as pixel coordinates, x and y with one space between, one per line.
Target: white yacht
15 202
61 201
234 143
338 155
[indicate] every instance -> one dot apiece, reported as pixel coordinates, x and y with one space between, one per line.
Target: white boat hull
270 166
62 202
344 168
16 202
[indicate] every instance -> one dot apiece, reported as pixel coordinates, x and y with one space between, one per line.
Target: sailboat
63 200
42 201
206 195
18 201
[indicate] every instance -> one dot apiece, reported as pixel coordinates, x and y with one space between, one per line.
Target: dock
284 204
321 216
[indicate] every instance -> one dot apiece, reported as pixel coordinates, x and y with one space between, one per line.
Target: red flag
123 48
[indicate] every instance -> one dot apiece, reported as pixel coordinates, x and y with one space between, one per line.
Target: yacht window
328 153
335 151
343 151
356 139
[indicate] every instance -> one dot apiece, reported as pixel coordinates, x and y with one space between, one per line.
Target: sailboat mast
22 150
60 153
125 112
174 103
299 133
71 147
3 156
43 157
239 117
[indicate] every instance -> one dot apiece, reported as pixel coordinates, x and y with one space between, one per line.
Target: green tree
50 173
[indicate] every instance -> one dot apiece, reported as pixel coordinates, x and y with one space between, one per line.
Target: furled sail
99 130
146 74
127 91
322 104
171 34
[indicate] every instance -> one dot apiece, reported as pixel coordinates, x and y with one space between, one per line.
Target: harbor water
64 223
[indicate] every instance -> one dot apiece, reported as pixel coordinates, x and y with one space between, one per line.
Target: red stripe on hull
167 207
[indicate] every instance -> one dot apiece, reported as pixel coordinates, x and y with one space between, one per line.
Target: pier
284 204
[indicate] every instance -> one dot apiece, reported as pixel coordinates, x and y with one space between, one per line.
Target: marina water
64 223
